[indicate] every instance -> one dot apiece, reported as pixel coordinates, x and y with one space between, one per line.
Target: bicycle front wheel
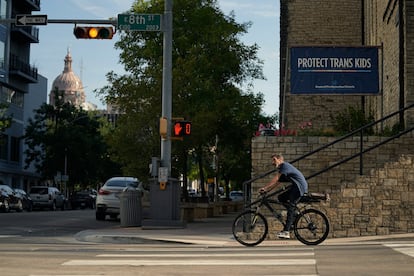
311 227
250 228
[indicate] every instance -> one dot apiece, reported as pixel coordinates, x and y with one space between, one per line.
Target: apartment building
21 88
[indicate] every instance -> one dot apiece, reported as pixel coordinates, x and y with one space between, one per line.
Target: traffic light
87 32
181 128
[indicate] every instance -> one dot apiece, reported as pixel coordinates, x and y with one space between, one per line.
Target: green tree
210 63
66 139
5 119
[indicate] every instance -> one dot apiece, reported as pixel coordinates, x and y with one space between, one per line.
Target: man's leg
293 197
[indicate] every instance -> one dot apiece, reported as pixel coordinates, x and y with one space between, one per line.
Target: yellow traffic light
88 32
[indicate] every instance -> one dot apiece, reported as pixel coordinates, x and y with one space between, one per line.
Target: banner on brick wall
334 70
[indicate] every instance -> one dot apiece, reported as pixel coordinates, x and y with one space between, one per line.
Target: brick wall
320 23
348 23
380 201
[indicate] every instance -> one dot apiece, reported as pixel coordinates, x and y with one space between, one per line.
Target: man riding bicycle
291 197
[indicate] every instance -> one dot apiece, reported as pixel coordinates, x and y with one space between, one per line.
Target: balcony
27 5
22 69
25 34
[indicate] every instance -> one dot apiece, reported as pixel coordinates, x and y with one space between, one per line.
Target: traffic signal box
88 32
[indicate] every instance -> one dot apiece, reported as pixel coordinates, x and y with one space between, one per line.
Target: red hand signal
177 129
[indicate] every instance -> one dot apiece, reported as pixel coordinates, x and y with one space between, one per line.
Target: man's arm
272 184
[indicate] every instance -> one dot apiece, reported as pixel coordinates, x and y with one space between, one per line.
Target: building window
3 39
15 149
4 145
3 9
2 53
11 96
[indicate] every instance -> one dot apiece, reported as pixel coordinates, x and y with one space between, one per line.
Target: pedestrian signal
182 129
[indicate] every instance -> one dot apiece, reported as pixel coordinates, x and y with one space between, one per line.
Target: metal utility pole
167 84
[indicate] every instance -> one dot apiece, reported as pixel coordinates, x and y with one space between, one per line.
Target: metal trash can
130 208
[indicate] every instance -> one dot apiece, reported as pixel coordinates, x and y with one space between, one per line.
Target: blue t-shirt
294 176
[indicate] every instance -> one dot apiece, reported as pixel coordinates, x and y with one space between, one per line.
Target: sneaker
283 235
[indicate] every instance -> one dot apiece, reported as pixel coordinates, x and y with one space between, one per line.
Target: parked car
47 197
108 199
83 199
27 200
15 200
236 196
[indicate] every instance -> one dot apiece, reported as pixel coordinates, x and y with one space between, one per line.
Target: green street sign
139 22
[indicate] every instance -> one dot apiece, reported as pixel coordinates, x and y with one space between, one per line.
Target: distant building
69 84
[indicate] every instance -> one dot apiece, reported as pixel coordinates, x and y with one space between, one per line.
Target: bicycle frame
267 201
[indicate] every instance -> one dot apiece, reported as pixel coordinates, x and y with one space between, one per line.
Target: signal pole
167 84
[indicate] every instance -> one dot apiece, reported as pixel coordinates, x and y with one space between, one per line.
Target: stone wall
379 201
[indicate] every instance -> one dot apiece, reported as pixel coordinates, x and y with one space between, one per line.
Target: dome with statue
68 84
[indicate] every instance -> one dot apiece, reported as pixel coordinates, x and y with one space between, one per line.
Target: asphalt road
43 243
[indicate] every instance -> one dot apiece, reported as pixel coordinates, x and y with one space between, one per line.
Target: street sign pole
167 83
165 197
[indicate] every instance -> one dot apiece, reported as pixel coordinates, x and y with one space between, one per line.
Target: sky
92 59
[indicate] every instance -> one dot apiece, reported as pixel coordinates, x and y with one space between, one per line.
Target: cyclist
291 196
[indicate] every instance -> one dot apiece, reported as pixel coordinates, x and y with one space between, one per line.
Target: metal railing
360 131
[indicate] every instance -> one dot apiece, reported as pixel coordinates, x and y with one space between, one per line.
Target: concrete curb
129 236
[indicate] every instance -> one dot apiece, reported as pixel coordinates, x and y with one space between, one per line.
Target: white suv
108 199
47 197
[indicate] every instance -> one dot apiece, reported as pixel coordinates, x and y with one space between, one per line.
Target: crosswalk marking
192 262
407 249
251 255
202 257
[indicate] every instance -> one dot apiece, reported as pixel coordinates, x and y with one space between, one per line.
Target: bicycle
311 226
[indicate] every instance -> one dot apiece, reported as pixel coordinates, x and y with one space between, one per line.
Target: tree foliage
210 64
62 138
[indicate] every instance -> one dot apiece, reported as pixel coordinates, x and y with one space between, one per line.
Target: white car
108 200
47 197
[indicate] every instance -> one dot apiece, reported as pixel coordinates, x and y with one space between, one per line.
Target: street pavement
214 231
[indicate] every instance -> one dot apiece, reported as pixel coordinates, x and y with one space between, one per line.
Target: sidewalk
215 231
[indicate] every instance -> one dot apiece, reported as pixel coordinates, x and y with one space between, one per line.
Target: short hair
278 156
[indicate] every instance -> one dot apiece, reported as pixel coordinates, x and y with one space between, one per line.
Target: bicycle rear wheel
250 228
311 227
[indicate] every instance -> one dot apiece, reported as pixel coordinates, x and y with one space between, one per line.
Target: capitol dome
69 84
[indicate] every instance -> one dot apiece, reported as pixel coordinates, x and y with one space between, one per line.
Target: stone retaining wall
378 202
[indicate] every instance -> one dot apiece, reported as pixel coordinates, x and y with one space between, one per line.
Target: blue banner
334 70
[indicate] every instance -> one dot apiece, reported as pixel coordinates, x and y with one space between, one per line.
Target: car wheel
53 206
6 206
19 206
100 215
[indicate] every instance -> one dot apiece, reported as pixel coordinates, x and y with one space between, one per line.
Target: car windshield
122 183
